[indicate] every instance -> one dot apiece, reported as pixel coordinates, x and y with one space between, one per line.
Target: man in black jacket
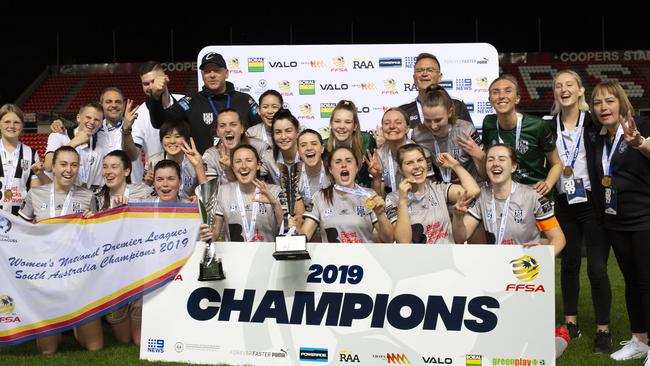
200 109
426 72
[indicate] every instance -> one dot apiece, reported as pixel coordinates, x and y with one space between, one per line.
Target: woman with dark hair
418 209
117 189
247 208
59 198
270 102
345 211
174 138
512 213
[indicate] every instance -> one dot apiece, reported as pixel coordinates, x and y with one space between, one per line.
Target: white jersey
526 206
391 167
212 155
422 136
37 204
91 157
261 132
144 134
136 193
428 213
16 176
111 138
228 206
188 174
345 220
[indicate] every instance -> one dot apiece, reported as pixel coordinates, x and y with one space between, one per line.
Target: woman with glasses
426 73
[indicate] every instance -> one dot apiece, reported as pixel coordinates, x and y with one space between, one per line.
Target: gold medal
567 171
8 194
606 181
370 203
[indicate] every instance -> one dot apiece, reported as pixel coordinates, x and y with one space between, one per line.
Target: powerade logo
447 84
256 64
313 354
156 345
390 62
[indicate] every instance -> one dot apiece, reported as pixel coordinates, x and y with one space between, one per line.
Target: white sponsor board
368 304
313 78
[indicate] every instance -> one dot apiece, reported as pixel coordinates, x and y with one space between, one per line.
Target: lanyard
305 180
606 159
214 109
517 131
248 230
504 215
391 171
357 191
420 113
87 160
66 203
573 155
16 156
445 172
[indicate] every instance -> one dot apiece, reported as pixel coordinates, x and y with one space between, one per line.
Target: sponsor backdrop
369 304
67 270
313 78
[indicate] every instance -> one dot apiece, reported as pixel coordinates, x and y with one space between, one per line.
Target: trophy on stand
288 245
211 268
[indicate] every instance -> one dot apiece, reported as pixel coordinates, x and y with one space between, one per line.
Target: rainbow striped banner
64 271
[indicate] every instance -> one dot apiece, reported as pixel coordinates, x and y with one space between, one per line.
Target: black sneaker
603 342
574 331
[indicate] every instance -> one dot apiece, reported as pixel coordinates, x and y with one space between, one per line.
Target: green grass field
579 352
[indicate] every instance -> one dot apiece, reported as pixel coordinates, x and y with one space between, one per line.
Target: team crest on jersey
455 151
622 147
233 207
327 212
208 118
489 214
519 216
76 206
523 146
361 210
43 206
25 164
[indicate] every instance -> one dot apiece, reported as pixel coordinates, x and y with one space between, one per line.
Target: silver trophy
290 247
211 267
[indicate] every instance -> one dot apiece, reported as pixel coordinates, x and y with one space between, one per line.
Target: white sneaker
632 349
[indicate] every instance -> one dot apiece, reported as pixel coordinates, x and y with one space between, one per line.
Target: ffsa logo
526 269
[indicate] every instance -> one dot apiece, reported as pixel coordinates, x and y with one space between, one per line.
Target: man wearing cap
200 109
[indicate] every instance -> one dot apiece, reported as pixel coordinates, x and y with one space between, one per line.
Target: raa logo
347 356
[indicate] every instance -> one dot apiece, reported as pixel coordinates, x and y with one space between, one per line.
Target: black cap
213 58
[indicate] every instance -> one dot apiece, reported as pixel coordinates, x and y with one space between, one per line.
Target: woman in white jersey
347 212
117 189
59 198
512 213
179 147
19 163
247 208
270 102
418 210
383 165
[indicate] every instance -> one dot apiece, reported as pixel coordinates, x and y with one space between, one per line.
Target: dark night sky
27 50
